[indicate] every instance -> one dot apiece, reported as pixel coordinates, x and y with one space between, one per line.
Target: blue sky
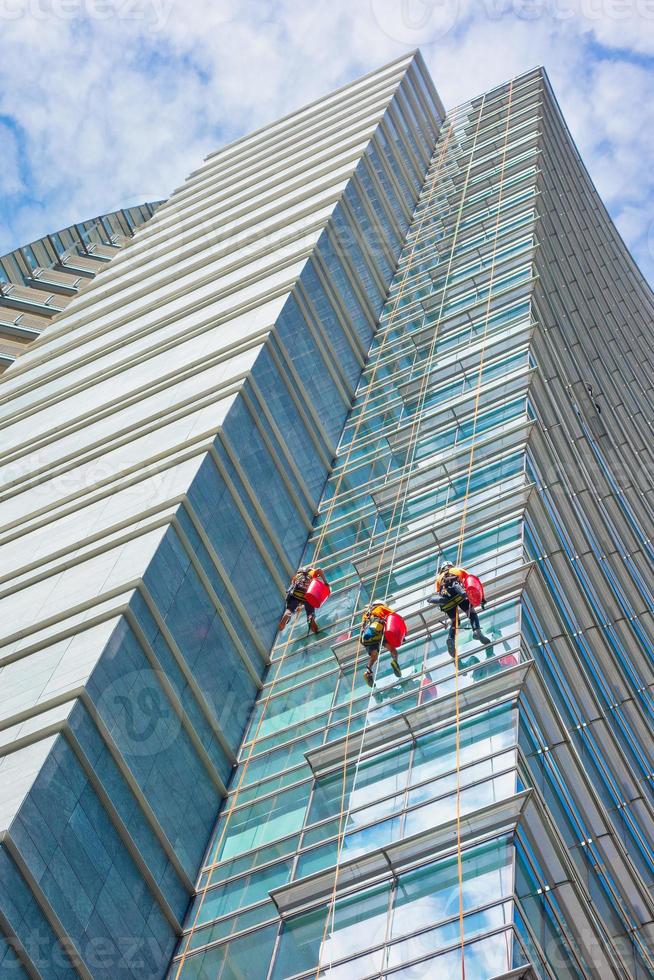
105 103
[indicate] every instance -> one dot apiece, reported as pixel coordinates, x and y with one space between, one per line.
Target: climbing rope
413 442
410 459
459 853
343 810
402 494
234 801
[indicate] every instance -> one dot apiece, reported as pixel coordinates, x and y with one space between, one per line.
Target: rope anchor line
415 428
345 811
234 801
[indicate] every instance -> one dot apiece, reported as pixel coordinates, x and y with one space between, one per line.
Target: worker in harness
295 597
451 596
373 624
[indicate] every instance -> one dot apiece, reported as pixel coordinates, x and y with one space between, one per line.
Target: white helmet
445 567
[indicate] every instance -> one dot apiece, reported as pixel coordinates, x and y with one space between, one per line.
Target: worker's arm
318 573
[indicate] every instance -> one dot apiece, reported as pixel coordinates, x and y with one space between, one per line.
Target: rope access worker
373 623
451 596
295 597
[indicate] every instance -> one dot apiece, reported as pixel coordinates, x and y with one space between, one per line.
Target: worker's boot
367 676
451 646
283 623
395 667
481 637
313 626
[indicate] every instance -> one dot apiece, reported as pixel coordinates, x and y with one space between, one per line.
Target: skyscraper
436 316
38 280
165 449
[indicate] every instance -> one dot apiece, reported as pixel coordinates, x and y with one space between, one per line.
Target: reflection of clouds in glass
348 937
485 736
432 893
422 899
341 606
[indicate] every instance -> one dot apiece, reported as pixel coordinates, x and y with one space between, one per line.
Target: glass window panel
358 923
299 945
244 891
265 821
210 933
447 935
246 958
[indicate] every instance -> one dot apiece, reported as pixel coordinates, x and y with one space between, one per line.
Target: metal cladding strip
123 832
60 726
390 861
176 704
520 973
273 567
108 410
229 626
225 580
105 541
590 704
556 743
187 673
411 724
60 618
536 827
303 404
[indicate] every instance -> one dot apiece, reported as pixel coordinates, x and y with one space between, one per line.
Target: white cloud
119 100
11 181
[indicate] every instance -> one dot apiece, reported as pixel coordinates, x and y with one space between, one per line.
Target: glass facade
358 838
369 337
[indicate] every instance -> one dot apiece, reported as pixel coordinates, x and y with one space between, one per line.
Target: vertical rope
414 433
461 540
344 811
459 849
234 801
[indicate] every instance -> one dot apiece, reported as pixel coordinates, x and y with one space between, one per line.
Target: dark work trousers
470 611
292 603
